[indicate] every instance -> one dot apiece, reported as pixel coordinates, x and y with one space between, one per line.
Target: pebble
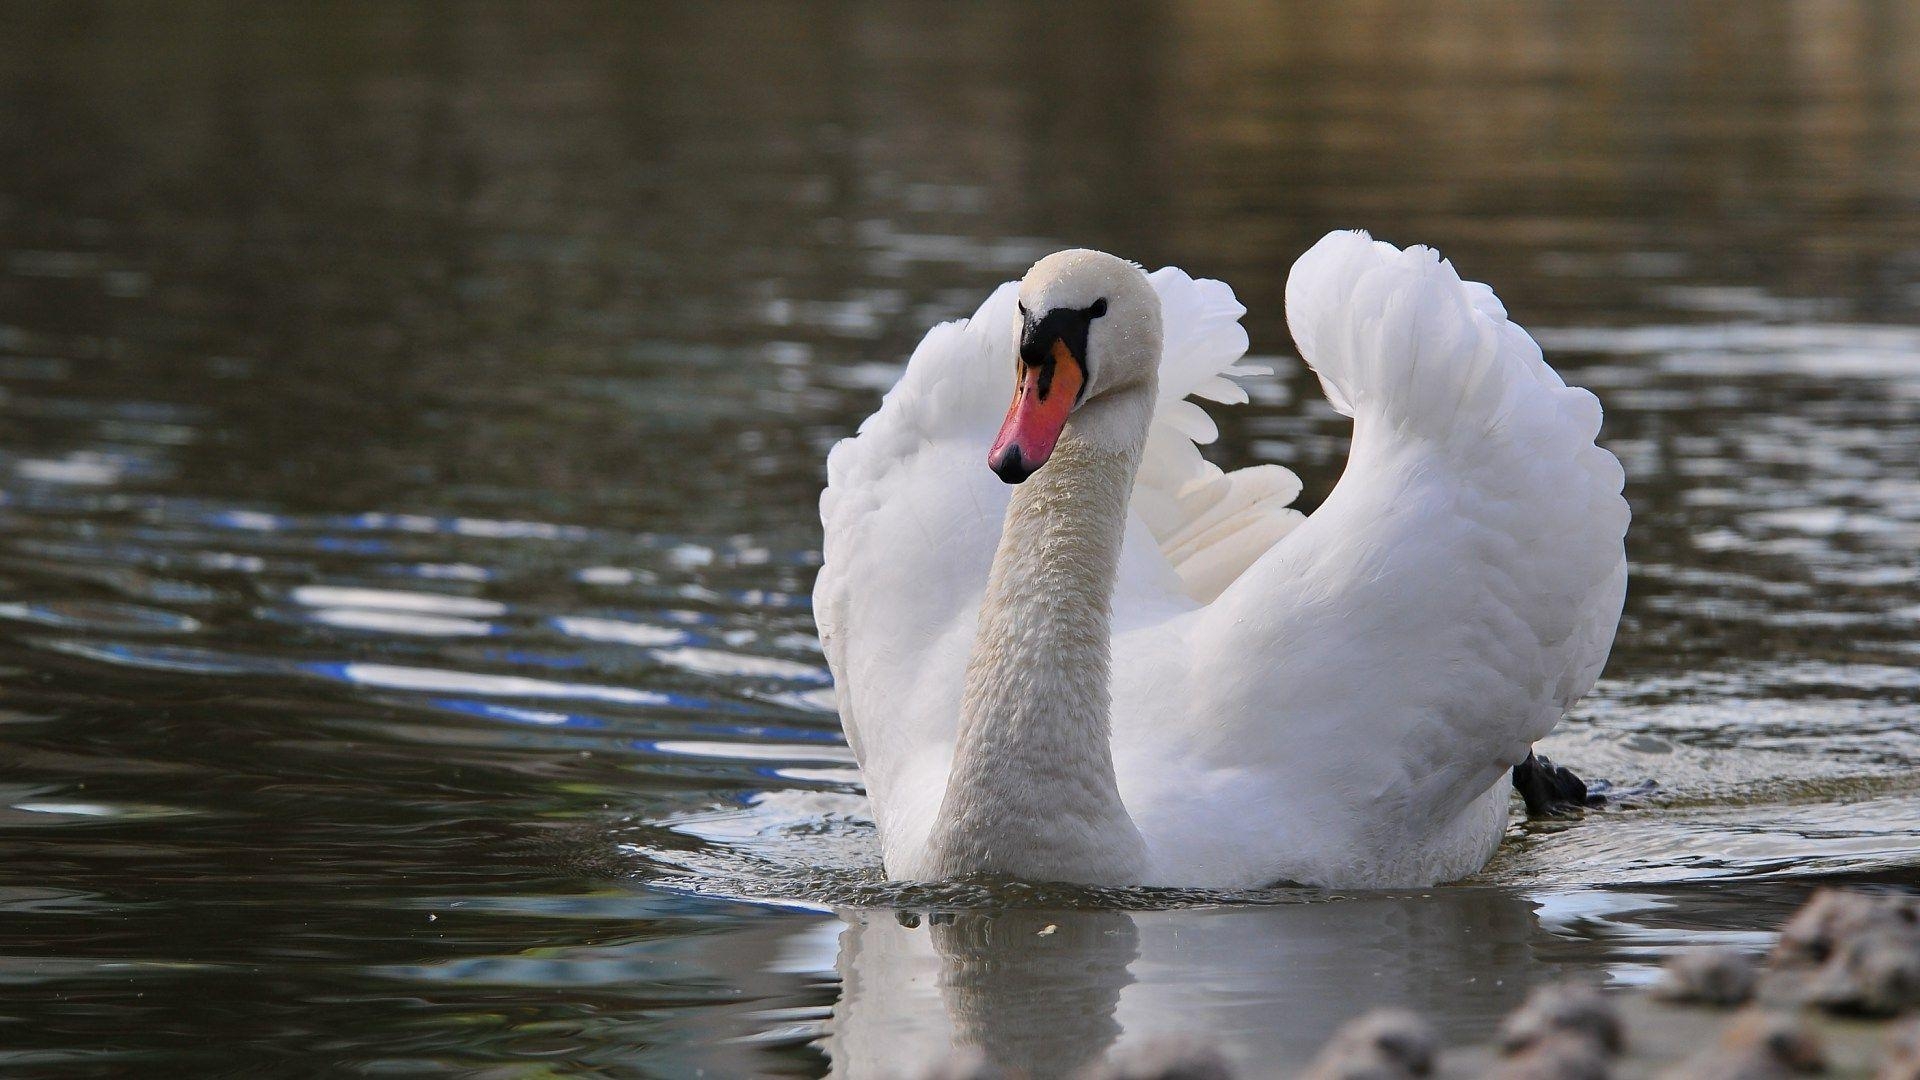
1757 1044
1900 1052
1574 1009
1166 1057
1560 1055
1715 975
1876 973
1833 916
1386 1044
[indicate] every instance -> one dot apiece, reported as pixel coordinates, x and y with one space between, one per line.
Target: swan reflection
1045 993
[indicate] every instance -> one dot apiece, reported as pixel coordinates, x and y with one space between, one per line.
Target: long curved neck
1032 791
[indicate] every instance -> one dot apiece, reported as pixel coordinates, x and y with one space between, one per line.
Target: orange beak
1043 395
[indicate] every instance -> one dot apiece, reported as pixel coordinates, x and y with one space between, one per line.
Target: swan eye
1098 309
1024 313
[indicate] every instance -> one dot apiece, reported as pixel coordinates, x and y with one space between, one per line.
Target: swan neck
1032 793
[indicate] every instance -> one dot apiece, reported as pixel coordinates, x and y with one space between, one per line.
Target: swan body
1134 668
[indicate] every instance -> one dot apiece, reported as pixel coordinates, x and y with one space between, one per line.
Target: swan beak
1043 395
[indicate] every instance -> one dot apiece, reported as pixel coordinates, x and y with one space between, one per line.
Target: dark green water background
411 417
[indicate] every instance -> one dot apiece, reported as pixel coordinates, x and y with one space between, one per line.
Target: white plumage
1333 699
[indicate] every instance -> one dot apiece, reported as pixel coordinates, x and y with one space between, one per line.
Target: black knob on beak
1011 466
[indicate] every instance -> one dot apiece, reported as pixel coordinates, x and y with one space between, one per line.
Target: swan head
1088 329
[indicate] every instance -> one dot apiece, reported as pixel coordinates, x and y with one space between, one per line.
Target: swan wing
1210 525
911 517
1374 674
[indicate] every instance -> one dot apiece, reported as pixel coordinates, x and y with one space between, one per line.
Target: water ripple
410 486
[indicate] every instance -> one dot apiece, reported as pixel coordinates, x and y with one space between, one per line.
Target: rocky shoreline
1838 996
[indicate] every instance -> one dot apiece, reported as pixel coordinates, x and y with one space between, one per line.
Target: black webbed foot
1552 791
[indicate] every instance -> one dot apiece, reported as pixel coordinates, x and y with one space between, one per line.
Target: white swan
1133 668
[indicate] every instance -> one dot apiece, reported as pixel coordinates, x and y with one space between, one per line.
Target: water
410 425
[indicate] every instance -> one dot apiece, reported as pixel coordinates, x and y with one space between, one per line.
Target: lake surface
411 419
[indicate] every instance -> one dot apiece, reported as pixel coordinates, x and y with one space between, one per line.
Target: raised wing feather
1458 590
911 516
1210 524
